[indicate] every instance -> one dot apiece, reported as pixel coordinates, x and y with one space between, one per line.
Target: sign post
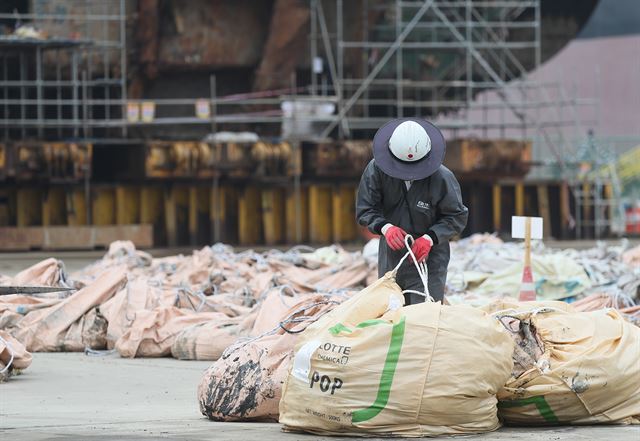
526 228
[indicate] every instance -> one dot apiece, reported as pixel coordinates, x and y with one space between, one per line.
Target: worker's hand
394 236
421 247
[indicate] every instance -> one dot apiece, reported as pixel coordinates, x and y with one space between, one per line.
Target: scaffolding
66 81
425 58
461 63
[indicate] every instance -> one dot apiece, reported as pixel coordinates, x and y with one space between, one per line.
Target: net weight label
325 383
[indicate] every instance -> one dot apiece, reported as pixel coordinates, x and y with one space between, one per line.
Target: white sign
148 111
518 227
203 109
133 112
317 65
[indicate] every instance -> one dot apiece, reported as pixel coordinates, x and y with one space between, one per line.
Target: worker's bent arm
451 213
369 200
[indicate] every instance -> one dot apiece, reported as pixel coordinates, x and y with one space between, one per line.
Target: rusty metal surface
147 34
336 159
491 159
212 33
192 159
54 161
83 237
180 159
286 44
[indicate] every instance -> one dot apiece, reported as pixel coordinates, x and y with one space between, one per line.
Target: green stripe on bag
382 397
339 327
541 404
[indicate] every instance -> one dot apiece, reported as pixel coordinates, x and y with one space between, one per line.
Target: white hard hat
409 142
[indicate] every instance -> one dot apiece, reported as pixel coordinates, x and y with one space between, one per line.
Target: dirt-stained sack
205 341
246 382
571 368
374 368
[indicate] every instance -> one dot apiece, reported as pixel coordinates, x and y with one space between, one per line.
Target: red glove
395 237
421 247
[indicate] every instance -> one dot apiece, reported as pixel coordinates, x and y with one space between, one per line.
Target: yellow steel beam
273 215
344 217
497 207
586 202
249 216
544 210
29 208
520 199
608 195
54 207
127 205
104 206
320 218
198 213
151 205
176 207
5 206
76 206
292 222
565 205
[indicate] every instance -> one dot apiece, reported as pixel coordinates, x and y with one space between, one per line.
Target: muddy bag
374 368
571 368
246 382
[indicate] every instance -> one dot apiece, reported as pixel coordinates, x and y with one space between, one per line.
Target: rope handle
421 268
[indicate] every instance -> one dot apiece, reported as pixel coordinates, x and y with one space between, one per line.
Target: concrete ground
82 398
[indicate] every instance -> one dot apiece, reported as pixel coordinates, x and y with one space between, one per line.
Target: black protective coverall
431 206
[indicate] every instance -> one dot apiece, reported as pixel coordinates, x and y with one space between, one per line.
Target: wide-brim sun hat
409 149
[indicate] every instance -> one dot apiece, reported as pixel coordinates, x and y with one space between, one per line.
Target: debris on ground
146 307
483 268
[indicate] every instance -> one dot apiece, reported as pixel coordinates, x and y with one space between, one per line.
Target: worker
405 189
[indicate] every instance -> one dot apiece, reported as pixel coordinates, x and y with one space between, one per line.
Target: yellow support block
519 199
127 205
249 216
29 207
54 207
104 206
497 208
344 214
76 207
320 218
292 223
273 215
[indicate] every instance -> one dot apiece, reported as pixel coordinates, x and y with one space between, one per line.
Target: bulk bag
373 367
572 368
